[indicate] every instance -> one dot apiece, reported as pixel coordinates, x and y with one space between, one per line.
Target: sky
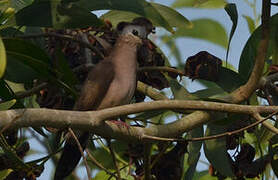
189 47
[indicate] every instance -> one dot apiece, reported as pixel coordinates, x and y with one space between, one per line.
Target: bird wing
96 86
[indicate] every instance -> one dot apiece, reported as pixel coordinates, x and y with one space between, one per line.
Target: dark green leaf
40 42
216 152
205 29
3 59
36 59
141 7
57 15
199 3
273 149
250 22
148 115
171 43
6 92
19 72
10 32
193 152
229 80
249 52
190 172
209 93
232 12
65 71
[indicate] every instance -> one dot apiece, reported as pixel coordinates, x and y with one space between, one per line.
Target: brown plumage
110 83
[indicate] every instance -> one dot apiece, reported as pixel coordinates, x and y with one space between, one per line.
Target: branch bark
94 121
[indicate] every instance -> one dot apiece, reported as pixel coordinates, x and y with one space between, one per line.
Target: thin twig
64 37
147 161
256 116
162 68
82 153
114 159
235 131
31 91
159 155
100 166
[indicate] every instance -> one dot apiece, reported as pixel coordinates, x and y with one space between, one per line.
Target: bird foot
120 123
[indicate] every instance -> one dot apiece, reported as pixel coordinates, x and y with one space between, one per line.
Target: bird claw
120 123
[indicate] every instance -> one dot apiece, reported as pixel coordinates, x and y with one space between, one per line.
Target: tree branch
246 90
94 120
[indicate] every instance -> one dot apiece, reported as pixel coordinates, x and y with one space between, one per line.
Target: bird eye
135 32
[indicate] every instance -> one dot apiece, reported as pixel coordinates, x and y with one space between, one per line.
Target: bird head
140 27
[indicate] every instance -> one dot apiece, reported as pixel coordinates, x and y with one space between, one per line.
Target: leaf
19 72
36 59
232 12
7 105
148 115
5 173
6 14
205 29
102 175
63 67
216 152
250 22
174 18
193 151
179 92
141 7
170 42
57 15
249 52
229 80
3 59
273 150
190 172
199 3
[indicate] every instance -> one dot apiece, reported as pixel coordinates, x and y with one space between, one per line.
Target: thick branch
246 90
94 120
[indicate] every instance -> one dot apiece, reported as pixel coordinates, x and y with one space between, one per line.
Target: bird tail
71 156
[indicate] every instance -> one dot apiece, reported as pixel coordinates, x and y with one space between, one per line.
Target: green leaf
36 59
7 105
5 173
205 29
171 43
3 59
199 3
232 12
250 22
216 152
63 67
273 149
229 80
179 92
249 52
193 151
141 7
57 15
174 18
101 175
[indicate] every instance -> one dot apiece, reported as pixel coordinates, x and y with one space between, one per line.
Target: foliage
49 47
